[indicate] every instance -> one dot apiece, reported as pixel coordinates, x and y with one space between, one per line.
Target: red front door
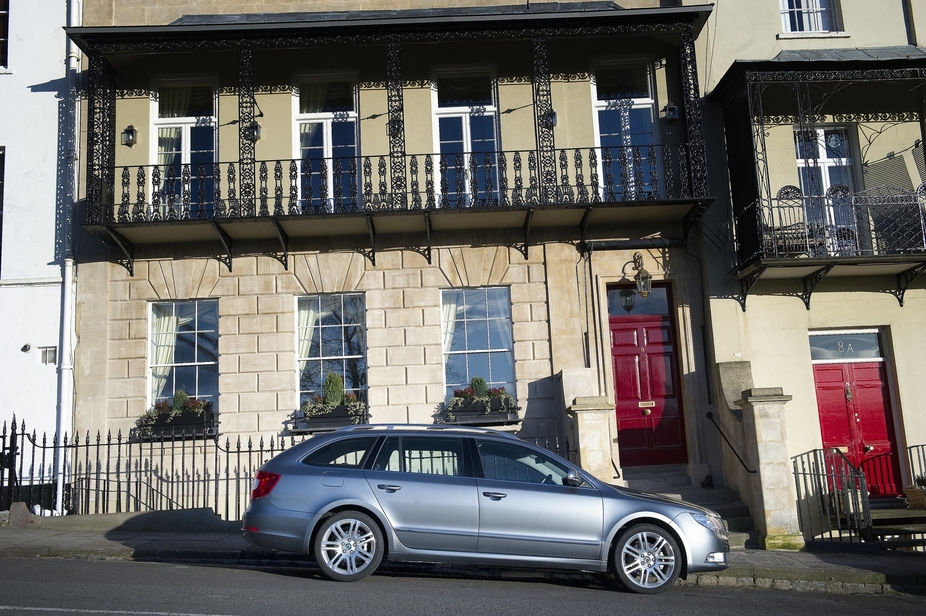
649 415
855 417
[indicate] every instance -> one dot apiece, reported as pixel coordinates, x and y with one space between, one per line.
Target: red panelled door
855 417
649 414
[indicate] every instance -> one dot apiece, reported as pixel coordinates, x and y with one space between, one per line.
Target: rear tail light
263 484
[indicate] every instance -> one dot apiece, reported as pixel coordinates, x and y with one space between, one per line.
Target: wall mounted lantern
254 133
671 112
130 136
643 278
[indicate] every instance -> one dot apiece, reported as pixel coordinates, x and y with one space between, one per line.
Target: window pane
501 371
845 347
185 102
332 328
349 453
326 97
185 352
456 371
621 83
432 456
475 303
464 91
478 365
477 337
451 135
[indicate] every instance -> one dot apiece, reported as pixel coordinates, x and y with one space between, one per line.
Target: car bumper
270 527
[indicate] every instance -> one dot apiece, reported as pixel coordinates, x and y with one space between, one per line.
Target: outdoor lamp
671 112
643 278
129 136
255 132
627 299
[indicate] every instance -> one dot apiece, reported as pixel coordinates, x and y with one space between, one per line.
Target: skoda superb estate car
443 494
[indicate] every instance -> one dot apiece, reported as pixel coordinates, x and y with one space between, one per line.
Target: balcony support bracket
426 250
694 215
283 255
811 281
747 283
227 244
370 253
583 231
523 248
125 246
905 279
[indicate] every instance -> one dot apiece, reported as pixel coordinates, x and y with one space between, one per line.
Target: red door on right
854 406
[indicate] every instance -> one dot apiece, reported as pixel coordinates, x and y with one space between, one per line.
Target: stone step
740 540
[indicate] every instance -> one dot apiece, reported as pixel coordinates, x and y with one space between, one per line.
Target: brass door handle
647 412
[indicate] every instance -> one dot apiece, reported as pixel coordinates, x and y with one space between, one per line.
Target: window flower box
331 411
468 407
184 417
321 417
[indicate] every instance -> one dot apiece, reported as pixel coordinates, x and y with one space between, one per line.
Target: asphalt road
60 587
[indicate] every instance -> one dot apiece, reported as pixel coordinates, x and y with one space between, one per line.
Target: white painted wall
33 95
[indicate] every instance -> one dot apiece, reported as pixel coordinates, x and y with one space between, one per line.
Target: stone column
593 423
764 425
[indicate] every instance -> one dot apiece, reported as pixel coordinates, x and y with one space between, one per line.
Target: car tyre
348 546
646 559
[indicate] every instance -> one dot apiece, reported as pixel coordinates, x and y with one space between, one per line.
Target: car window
421 454
346 453
511 462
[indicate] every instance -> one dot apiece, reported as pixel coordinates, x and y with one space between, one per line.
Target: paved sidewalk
200 536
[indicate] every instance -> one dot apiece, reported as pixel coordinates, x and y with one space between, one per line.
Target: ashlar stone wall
258 380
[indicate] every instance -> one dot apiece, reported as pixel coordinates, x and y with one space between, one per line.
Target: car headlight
712 522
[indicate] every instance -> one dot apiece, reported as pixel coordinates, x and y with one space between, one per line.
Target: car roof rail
427 427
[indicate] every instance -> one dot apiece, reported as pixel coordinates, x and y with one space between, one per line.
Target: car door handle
495 495
389 488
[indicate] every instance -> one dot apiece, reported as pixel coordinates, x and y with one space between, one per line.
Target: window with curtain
327 135
186 139
477 336
624 120
331 336
467 135
809 15
184 350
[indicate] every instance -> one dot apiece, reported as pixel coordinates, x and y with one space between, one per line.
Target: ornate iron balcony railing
316 187
876 222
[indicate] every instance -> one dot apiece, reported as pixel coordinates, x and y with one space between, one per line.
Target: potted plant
916 495
479 404
332 410
182 416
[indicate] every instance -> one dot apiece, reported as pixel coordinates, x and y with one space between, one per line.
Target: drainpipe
65 406
909 22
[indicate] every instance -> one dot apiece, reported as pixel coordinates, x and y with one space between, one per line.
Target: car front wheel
348 546
647 559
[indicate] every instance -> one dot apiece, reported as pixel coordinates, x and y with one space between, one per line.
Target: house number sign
845 346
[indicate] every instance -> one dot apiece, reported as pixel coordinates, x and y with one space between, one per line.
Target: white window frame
184 123
303 356
465 113
326 119
152 362
816 16
449 314
823 161
625 106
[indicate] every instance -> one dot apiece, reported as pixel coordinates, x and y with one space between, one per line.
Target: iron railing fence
917 456
114 474
832 497
313 187
876 222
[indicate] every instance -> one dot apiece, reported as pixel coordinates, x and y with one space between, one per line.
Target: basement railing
832 497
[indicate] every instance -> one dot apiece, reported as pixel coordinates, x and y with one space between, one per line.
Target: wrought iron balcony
344 186
877 222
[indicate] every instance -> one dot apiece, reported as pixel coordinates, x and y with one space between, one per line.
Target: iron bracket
126 247
583 230
905 279
747 283
812 280
426 251
523 248
283 256
227 244
370 253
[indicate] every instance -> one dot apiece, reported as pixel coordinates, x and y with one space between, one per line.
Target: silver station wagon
444 494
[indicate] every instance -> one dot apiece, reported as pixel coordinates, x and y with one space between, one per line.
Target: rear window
346 453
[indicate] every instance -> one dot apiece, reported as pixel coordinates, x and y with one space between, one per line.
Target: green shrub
333 389
479 386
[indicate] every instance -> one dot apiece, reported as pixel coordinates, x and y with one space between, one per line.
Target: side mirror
573 479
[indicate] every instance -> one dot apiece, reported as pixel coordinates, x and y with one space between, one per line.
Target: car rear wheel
348 546
647 559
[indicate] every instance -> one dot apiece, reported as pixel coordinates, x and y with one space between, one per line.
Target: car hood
659 498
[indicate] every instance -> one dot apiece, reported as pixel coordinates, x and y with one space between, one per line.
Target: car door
427 490
526 508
